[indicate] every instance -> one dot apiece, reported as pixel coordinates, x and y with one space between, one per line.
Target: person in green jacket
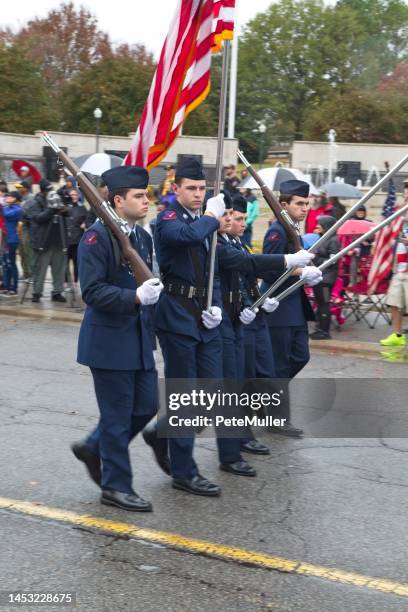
253 213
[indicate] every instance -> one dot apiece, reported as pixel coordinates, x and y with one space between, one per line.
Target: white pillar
233 82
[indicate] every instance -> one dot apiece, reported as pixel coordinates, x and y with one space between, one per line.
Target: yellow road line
228 553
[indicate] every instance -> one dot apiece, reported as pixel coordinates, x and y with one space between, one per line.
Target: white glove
247 316
270 305
216 206
149 292
311 275
211 318
299 260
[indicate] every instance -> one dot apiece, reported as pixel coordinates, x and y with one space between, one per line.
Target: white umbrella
273 177
98 163
341 190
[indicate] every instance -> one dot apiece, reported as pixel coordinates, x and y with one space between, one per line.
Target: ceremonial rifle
343 252
106 213
333 229
291 228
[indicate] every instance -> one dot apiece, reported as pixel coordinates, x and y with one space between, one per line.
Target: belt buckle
191 292
230 297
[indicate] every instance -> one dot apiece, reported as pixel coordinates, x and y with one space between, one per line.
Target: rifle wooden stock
106 213
281 215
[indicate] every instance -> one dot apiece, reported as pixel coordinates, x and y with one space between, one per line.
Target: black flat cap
190 168
125 177
239 203
295 187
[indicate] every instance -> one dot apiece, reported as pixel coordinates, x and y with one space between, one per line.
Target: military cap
239 203
125 177
295 187
190 168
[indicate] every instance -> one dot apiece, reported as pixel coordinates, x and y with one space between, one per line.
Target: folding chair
362 305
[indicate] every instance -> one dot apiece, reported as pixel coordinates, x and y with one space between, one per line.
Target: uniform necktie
134 240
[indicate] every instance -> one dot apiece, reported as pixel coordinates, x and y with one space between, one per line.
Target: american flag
383 251
182 78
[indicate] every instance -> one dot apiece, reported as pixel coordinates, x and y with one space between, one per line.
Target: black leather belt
187 291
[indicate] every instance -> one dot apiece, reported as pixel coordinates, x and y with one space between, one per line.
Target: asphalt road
330 503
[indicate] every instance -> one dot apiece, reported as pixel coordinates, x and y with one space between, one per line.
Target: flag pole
219 161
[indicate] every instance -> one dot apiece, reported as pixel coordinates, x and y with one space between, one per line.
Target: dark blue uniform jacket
295 309
116 333
236 266
175 235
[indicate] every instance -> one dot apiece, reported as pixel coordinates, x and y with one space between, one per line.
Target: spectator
319 205
253 213
25 175
338 208
365 247
397 296
25 250
322 291
76 224
231 181
161 205
244 174
12 212
48 233
63 192
166 187
3 232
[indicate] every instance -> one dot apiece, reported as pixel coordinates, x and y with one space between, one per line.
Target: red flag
182 78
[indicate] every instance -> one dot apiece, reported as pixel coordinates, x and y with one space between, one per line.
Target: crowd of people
44 228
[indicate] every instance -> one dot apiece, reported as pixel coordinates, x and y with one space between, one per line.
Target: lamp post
261 130
98 116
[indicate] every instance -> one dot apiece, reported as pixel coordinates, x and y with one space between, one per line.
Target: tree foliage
304 66
299 55
24 104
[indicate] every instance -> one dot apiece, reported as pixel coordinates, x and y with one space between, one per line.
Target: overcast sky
131 21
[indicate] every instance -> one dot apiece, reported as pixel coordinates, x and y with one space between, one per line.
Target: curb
363 349
42 315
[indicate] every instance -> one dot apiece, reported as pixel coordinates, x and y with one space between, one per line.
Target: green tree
360 116
385 24
290 56
118 84
25 105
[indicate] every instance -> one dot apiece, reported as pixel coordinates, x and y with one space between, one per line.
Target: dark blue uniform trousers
259 360
186 357
290 347
127 400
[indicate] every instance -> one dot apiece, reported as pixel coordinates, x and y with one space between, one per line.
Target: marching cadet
189 333
288 325
115 341
239 270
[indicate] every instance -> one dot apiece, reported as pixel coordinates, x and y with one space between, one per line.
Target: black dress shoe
126 501
159 448
36 298
92 461
240 468
255 447
197 486
320 335
57 297
287 430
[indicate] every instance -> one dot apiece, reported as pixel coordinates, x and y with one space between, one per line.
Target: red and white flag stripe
182 78
383 253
